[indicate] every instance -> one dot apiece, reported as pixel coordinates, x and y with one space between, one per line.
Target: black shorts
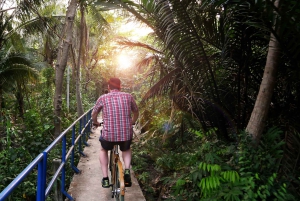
107 145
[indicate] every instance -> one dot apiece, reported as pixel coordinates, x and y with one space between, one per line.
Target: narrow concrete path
86 186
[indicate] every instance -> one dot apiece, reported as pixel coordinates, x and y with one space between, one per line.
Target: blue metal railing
41 160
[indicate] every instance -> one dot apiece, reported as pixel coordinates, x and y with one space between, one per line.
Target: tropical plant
220 51
19 57
15 71
205 168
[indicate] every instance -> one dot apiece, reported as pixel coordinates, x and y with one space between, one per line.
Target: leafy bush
37 134
13 159
241 173
202 167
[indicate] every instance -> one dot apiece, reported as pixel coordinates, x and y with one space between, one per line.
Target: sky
135 29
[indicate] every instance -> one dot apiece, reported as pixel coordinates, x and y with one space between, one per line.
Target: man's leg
126 155
127 161
103 157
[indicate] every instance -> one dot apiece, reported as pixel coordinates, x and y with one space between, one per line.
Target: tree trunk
1 94
62 58
20 102
259 114
80 51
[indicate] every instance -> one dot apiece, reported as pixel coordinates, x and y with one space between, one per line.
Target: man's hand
96 124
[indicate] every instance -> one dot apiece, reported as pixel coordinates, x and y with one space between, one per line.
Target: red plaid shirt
116 109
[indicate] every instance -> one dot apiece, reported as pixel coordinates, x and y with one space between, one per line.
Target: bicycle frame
117 174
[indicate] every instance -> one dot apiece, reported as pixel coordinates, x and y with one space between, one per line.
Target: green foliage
201 167
143 177
13 160
139 160
246 173
37 136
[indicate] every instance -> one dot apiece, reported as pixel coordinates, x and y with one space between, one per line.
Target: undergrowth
199 166
23 141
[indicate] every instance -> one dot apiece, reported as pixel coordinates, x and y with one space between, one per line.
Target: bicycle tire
114 186
110 160
111 166
118 197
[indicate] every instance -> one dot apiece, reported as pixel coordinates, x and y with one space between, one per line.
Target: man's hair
114 83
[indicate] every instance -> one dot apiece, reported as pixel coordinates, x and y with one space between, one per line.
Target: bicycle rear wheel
118 195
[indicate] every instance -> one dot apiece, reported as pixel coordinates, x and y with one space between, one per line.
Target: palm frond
162 85
147 6
147 60
97 18
17 67
24 9
129 6
184 43
106 5
131 43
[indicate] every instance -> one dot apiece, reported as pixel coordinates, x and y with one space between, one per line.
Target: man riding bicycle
116 107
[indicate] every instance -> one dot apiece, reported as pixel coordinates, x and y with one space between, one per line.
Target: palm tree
220 50
259 114
234 36
90 16
193 74
16 68
81 56
61 64
95 9
15 71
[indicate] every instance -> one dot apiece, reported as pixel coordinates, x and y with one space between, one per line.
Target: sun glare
136 30
132 31
124 61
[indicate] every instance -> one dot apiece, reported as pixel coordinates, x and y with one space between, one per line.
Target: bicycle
117 175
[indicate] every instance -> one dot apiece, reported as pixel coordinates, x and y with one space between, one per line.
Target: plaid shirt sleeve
98 106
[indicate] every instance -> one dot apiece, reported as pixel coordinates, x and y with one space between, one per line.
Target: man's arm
134 117
95 118
135 111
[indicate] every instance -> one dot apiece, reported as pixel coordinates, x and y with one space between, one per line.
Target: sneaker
105 183
127 178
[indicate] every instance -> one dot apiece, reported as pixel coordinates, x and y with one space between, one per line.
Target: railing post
80 140
63 171
57 192
84 134
73 151
88 119
41 181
